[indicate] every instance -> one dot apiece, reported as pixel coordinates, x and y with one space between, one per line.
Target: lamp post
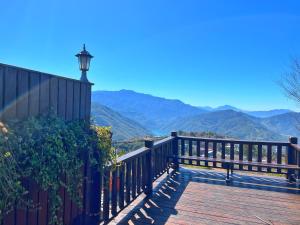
84 59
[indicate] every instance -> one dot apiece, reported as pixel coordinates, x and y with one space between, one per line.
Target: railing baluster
165 153
259 155
298 162
190 151
250 148
198 152
279 156
133 177
175 150
161 157
241 155
292 156
144 173
149 162
206 152
114 192
128 181
106 182
223 152
138 181
182 149
169 153
121 188
269 156
231 151
214 153
157 162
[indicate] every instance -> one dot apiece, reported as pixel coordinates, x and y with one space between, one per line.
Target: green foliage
11 189
51 153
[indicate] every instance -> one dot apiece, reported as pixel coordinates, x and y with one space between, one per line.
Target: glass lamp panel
79 63
83 59
88 60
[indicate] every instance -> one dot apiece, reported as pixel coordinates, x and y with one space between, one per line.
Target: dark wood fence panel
23 87
25 93
10 93
44 93
54 94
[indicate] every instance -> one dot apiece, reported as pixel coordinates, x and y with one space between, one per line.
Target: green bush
50 152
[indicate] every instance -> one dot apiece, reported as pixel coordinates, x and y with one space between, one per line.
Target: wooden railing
283 153
134 174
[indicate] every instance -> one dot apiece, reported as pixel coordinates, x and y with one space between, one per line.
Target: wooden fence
25 93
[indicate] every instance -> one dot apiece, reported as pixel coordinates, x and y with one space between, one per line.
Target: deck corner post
92 195
175 150
149 185
291 157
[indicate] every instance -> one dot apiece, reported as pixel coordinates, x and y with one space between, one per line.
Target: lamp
84 59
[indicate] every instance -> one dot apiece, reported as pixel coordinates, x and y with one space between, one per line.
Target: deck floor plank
202 197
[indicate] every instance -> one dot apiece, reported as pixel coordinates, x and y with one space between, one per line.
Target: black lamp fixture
84 59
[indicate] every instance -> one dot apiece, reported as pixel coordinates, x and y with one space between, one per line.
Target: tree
291 81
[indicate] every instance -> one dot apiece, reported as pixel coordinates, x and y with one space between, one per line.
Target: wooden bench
228 164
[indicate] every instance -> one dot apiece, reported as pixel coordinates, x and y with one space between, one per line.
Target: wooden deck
202 197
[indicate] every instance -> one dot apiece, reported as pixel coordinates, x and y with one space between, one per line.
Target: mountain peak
228 107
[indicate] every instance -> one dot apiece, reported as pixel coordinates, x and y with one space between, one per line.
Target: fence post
92 195
175 150
149 184
291 158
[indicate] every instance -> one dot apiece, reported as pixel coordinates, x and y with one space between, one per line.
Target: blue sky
203 52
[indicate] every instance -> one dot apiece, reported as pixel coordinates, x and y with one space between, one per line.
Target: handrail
234 141
133 154
163 141
296 147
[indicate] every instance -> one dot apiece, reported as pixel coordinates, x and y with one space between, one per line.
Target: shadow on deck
193 196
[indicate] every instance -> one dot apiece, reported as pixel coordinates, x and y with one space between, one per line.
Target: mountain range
260 114
133 114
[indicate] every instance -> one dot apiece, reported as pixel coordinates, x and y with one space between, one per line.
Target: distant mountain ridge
160 116
148 110
287 124
226 122
260 114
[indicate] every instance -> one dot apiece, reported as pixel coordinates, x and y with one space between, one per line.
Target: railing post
175 150
93 195
291 157
149 184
